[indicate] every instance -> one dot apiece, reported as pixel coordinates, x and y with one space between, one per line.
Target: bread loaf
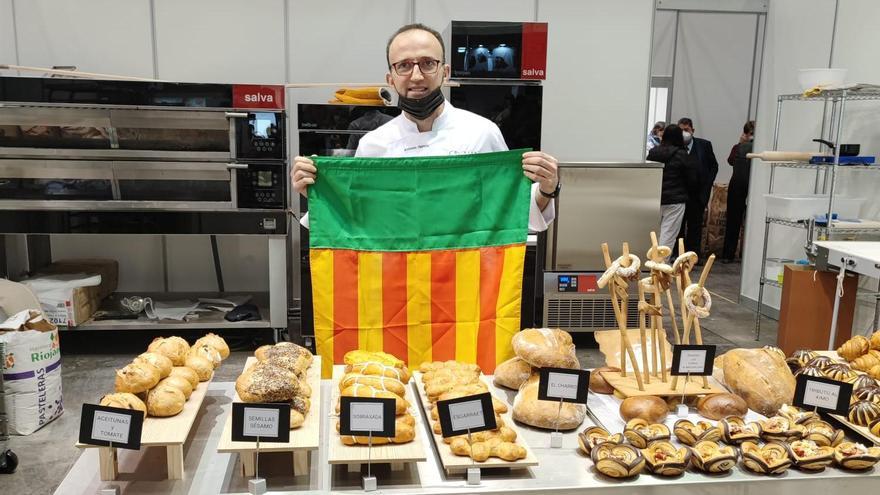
512 373
137 377
543 414
162 363
598 384
165 401
265 382
216 342
379 382
760 377
648 407
174 348
208 352
188 373
202 367
719 406
545 348
179 383
124 401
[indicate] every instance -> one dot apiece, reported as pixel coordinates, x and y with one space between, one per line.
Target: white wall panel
798 36
221 40
596 92
438 14
96 35
713 75
663 46
7 36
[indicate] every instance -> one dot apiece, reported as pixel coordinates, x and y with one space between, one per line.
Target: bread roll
648 407
265 382
545 348
216 342
174 348
187 373
598 384
512 373
719 406
201 365
543 414
287 355
164 401
159 361
208 352
124 400
178 382
137 377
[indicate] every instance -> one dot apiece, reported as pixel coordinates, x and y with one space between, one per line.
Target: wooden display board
456 464
302 440
354 455
170 432
628 386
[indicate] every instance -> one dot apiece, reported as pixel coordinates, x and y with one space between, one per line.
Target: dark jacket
707 167
679 173
742 168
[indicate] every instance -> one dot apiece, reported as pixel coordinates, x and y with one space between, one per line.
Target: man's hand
541 168
303 174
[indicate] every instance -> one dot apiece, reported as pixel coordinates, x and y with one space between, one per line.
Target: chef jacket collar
439 122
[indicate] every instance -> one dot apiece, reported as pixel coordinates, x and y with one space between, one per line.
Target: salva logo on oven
258 96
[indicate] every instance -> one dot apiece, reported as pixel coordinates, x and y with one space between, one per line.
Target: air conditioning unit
573 302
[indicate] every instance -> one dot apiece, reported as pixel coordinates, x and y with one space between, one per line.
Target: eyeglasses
426 66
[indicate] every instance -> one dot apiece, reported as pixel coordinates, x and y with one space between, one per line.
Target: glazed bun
178 382
162 363
216 342
165 400
174 348
137 377
124 400
187 373
203 368
208 352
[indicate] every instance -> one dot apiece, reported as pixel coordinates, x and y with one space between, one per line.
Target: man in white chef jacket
430 126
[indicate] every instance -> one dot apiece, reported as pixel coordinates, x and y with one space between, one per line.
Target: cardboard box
83 301
807 305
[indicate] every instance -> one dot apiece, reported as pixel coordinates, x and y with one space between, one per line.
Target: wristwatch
555 192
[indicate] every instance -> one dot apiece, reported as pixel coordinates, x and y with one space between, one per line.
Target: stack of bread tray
379 375
864 411
288 373
168 383
537 348
503 447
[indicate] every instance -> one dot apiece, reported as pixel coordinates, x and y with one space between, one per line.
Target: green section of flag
419 203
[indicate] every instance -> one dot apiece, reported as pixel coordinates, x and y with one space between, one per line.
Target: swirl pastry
711 457
690 433
856 456
640 433
618 460
772 458
809 456
796 414
594 435
780 429
663 459
822 433
734 430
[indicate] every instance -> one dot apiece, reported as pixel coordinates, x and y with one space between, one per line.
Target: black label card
268 422
365 416
824 394
471 413
564 384
696 360
102 425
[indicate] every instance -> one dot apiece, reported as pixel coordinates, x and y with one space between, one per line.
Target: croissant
378 382
481 451
868 361
379 369
874 372
404 431
854 347
874 341
358 390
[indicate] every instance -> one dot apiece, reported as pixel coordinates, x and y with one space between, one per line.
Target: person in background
738 190
655 135
698 199
679 177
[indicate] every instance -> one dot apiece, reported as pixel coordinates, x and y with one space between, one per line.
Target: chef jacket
455 132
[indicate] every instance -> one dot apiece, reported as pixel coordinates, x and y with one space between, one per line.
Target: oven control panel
260 136
262 186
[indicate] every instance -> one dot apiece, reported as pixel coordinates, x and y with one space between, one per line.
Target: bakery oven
102 146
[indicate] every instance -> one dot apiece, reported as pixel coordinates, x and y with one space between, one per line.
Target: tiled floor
47 455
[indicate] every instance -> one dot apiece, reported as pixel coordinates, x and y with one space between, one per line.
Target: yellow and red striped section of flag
437 305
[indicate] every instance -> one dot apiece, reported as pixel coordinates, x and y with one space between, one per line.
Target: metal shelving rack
837 100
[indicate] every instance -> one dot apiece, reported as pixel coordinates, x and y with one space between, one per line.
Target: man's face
686 127
415 45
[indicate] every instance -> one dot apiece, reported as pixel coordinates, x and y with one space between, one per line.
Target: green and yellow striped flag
418 257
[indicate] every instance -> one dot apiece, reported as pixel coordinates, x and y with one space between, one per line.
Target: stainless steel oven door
117 185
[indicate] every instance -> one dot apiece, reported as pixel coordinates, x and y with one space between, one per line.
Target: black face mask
421 108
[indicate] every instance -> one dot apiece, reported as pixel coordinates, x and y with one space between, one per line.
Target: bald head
420 32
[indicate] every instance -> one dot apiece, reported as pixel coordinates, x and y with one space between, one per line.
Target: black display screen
486 49
515 109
